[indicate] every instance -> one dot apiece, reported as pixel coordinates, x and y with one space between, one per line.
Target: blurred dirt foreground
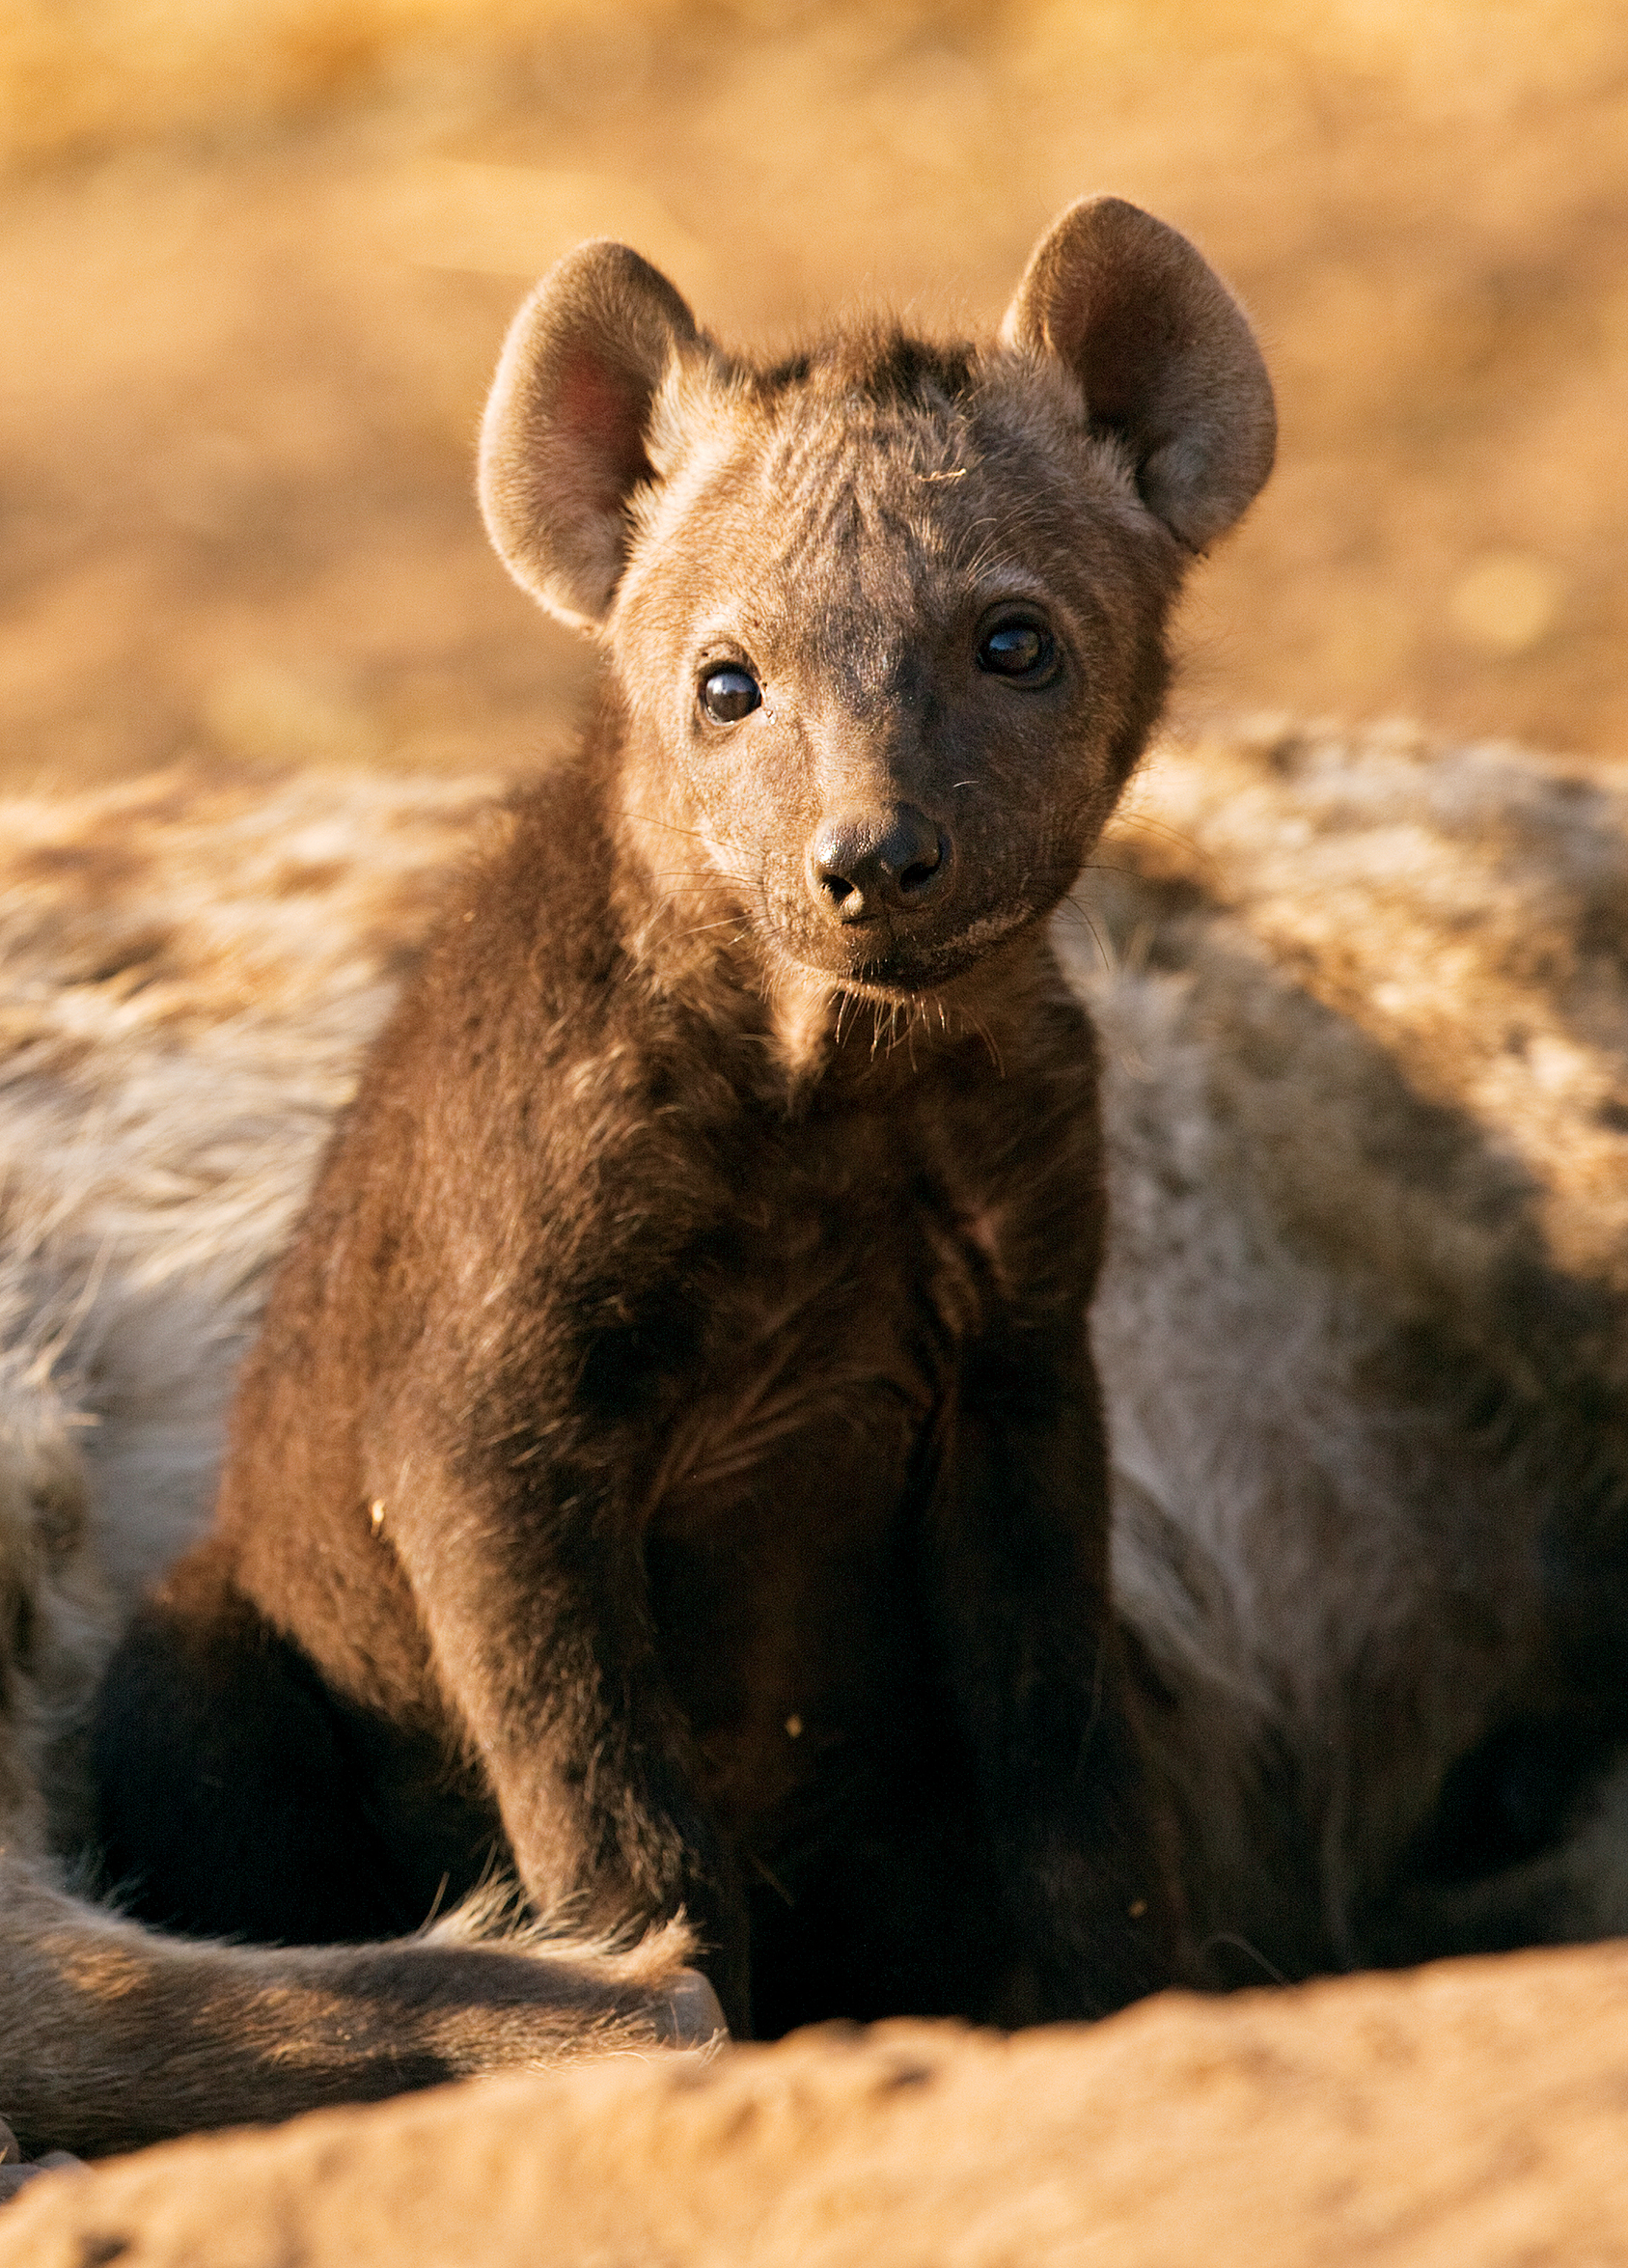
257 255
1469 2115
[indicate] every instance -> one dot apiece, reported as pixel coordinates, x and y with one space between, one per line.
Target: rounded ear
1164 354
563 440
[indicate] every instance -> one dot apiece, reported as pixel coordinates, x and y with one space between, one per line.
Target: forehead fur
870 459
879 365
886 392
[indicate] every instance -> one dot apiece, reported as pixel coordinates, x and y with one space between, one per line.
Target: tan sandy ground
255 257
1470 2115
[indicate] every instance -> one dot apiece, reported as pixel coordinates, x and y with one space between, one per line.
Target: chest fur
863 1268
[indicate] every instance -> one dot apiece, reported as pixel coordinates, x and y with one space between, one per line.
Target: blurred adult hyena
1363 1335
1365 1038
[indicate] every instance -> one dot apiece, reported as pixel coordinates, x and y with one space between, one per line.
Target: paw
689 2014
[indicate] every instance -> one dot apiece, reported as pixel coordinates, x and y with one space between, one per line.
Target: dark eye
729 693
1019 650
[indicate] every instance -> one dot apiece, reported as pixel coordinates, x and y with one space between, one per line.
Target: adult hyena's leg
116 2037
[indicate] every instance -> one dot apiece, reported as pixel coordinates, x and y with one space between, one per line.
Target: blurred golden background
257 255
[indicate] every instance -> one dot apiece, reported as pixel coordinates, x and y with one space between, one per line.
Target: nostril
916 855
843 870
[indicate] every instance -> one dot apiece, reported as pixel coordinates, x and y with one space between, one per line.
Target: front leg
531 1588
1017 1577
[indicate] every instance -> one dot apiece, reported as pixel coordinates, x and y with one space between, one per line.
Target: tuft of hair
879 363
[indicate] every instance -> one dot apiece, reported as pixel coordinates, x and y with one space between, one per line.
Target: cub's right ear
563 440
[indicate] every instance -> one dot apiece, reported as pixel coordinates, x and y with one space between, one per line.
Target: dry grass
258 254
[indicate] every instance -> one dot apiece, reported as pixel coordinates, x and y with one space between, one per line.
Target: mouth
897 971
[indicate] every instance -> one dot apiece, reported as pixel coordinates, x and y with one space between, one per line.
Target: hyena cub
673 1462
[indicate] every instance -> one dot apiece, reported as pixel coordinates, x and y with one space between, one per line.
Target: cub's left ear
1164 354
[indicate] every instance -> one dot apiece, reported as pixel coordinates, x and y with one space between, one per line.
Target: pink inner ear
604 409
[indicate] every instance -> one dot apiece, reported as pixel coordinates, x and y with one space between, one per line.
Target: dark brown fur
672 1463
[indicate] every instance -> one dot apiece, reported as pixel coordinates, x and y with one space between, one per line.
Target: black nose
864 864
